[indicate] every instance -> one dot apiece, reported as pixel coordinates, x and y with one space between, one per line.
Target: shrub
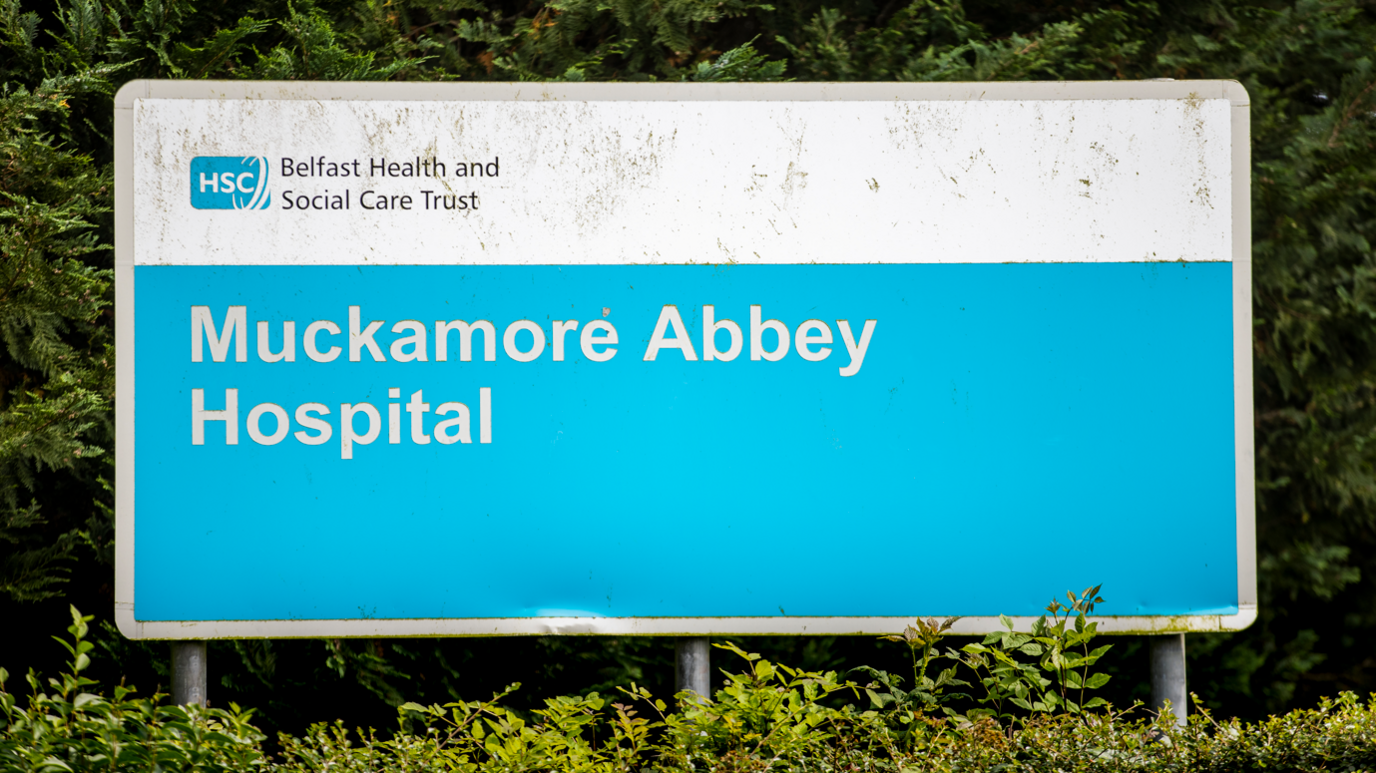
768 717
64 727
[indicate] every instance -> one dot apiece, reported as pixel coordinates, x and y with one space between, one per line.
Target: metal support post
188 673
1168 674
693 665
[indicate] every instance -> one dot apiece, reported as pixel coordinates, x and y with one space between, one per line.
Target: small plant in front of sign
766 715
1058 680
928 694
1068 650
1044 671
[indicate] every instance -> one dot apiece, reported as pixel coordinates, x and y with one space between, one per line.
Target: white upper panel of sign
625 182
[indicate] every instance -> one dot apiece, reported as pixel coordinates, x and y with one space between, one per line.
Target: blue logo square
230 182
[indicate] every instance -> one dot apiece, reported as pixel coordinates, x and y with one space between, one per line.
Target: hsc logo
229 182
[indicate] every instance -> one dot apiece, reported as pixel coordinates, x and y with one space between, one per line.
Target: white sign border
589 92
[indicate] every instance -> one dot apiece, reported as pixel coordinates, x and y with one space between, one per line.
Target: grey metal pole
693 665
188 673
1168 674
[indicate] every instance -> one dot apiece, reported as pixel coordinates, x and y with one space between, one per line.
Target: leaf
763 669
84 698
1098 680
740 64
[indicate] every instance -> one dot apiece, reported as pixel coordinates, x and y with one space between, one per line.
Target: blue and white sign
680 359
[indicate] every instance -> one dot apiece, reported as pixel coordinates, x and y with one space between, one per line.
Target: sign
472 359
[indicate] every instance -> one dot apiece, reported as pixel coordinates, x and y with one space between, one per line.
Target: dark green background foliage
1306 64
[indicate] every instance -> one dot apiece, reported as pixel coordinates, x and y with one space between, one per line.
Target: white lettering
484 415
288 343
347 435
305 419
587 341
757 329
562 328
709 336
416 341
256 432
460 422
312 351
537 333
669 316
803 339
203 324
199 416
465 340
857 353
361 338
394 418
417 408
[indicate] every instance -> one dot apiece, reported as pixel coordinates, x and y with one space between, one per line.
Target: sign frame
1163 89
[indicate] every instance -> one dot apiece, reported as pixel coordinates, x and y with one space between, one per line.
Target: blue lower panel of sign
1012 431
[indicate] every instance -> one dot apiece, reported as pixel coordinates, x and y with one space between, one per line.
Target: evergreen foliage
57 371
1307 64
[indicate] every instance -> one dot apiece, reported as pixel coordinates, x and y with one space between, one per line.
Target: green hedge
767 717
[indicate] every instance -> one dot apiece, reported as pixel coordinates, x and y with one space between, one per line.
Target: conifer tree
56 361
